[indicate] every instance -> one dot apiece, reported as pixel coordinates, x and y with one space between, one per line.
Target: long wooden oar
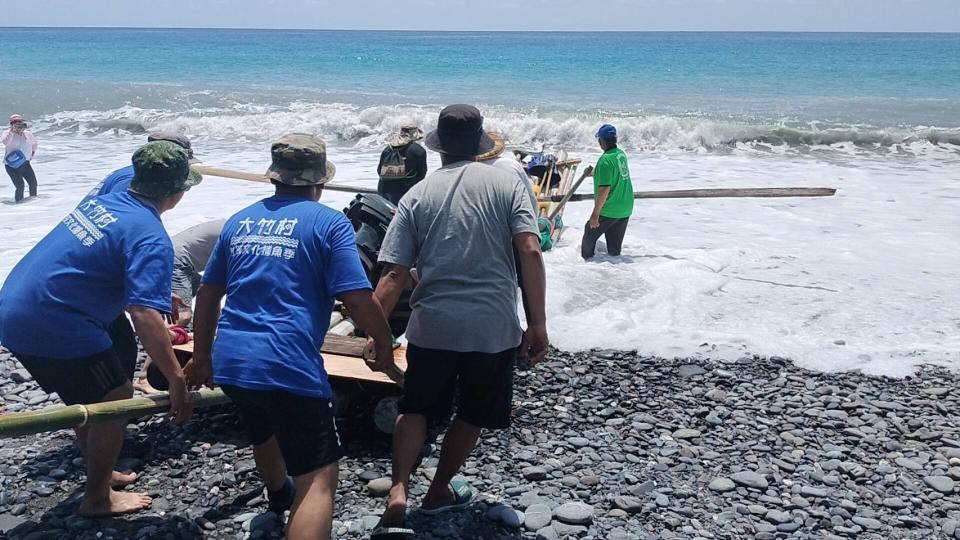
573 190
55 418
709 193
239 175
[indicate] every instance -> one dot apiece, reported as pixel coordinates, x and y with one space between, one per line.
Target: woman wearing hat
19 147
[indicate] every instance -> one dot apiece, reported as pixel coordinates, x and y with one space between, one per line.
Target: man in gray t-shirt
191 251
459 228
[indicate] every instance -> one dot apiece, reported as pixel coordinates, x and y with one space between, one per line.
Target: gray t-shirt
195 244
457 228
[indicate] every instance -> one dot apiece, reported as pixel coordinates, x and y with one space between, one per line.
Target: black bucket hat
460 132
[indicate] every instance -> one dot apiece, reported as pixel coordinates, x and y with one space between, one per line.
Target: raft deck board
342 358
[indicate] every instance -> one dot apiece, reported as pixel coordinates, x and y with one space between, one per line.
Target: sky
651 15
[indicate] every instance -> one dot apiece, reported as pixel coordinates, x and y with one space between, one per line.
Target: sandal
463 495
392 533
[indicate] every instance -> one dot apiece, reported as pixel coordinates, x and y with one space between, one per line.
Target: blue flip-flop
463 495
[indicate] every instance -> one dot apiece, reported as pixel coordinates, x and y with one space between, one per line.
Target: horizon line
450 31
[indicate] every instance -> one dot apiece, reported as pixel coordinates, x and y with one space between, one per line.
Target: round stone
379 487
574 513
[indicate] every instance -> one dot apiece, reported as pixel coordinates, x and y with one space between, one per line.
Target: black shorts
482 381
305 427
77 380
124 343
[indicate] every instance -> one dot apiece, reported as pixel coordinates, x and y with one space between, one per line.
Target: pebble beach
604 445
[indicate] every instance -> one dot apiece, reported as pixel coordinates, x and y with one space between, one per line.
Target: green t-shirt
612 170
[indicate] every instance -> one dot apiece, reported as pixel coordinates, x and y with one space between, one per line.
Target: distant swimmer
612 194
403 163
284 260
19 149
119 180
108 255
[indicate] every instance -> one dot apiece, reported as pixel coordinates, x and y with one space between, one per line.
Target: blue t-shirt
282 262
109 253
118 181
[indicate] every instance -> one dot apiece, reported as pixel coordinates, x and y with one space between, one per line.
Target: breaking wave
368 127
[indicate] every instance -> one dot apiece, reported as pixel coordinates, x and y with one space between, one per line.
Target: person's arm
366 311
390 287
602 193
603 180
199 371
152 331
535 342
421 163
214 286
33 143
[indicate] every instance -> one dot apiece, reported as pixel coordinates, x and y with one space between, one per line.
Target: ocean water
865 280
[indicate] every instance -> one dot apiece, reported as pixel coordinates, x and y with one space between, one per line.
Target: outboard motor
371 215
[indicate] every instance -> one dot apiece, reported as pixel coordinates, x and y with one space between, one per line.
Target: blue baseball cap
606 131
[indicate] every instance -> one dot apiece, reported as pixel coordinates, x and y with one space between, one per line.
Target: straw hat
407 135
498 147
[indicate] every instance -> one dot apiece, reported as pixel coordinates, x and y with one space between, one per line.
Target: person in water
108 255
612 197
19 149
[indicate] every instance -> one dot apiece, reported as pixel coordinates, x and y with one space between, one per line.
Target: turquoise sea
870 87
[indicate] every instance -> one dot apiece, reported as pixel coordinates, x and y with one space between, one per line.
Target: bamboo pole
251 177
72 416
711 193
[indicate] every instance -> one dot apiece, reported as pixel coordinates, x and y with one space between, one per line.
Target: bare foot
396 513
120 479
120 502
143 385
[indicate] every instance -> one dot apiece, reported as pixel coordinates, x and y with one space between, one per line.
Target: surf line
814 287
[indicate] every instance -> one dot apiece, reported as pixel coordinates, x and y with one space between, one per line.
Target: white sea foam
864 280
369 127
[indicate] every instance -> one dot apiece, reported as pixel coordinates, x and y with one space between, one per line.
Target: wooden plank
342 358
711 193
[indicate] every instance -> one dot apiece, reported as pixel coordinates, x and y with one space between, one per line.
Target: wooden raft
342 358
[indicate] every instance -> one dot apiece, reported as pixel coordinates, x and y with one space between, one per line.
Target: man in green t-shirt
612 197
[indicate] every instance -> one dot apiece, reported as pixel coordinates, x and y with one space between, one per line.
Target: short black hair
609 142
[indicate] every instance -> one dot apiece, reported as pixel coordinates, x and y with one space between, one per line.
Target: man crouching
109 255
281 262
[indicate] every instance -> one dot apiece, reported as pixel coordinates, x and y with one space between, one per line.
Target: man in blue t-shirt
119 180
121 333
109 255
280 263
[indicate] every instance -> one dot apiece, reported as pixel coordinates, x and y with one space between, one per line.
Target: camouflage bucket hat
178 138
300 159
161 169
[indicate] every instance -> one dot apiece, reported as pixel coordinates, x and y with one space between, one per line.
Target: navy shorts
305 427
481 383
